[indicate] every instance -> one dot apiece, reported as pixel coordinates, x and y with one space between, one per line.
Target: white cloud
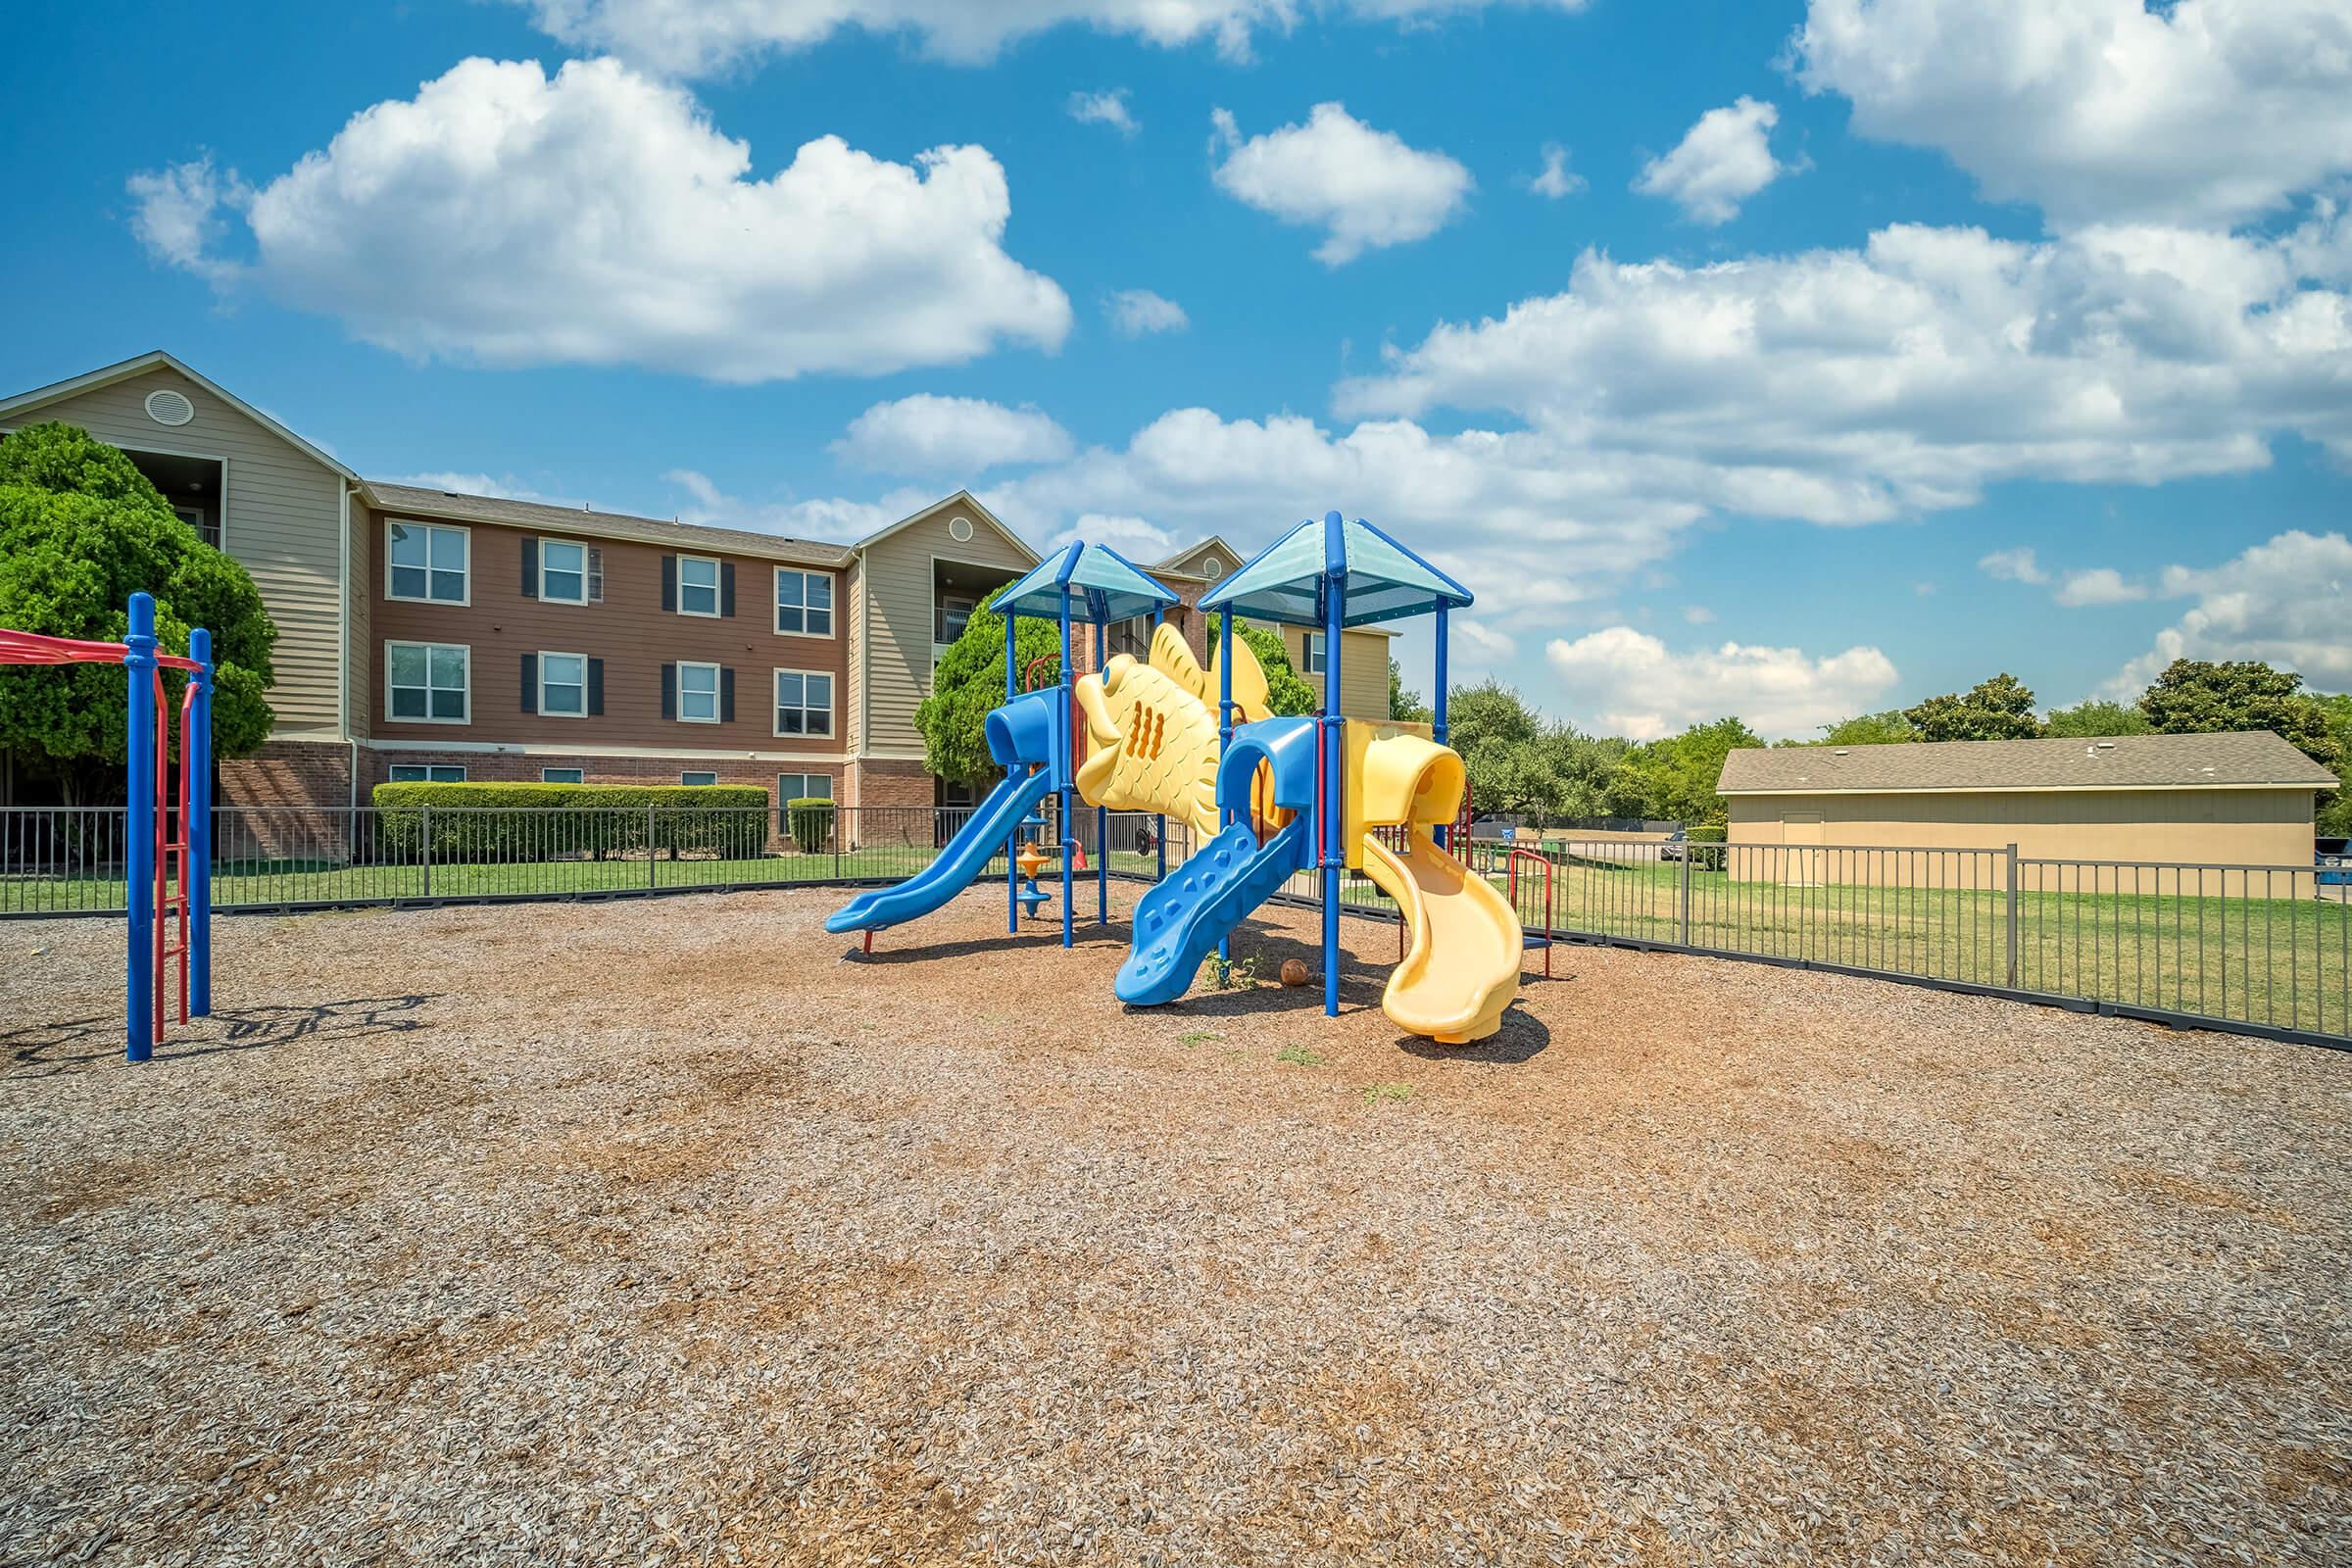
1636 686
1484 646
827 518
2100 585
2286 602
1698 616
1139 540
1555 182
600 219
928 434
1366 187
687 37
504 487
2014 566
1909 375
1721 162
178 215
1134 311
2101 111
1104 109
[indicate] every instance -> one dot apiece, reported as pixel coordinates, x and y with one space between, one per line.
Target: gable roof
158 359
971 503
411 500
2237 760
1174 565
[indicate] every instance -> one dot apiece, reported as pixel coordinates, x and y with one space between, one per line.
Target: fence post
2012 916
652 877
428 849
1686 897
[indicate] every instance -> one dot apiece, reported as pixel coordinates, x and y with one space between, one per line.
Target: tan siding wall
1363 671
853 685
2212 827
358 689
629 631
896 661
283 522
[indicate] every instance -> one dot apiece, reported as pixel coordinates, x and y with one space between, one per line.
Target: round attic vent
166 406
959 529
1212 569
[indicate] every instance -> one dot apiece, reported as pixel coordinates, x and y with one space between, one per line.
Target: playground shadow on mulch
45 1049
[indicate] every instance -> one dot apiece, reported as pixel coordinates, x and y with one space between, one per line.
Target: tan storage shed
2237 799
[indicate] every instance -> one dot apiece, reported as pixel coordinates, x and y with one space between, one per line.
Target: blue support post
1160 824
1439 728
1012 839
138 664
1335 610
196 762
1062 824
1101 812
1224 734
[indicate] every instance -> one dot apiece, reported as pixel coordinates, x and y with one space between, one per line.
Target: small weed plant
1379 1092
1299 1056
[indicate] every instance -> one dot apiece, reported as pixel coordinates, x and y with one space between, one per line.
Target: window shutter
726 588
670 685
596 577
530 568
669 582
726 696
530 683
596 688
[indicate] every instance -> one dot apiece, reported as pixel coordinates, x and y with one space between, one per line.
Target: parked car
1677 844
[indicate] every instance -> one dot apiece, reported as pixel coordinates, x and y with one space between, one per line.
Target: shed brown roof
2239 759
407 498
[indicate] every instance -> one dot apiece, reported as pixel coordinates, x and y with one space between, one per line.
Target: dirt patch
680 1230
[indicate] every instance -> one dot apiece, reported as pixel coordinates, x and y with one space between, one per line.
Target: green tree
1404 704
1864 729
1287 692
1675 778
2195 696
2094 718
1490 727
80 531
2335 813
1997 710
970 681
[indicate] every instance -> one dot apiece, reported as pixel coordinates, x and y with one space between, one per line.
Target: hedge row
532 821
1705 832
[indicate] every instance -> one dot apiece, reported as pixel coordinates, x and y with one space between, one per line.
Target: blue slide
980 839
1178 921
1027 735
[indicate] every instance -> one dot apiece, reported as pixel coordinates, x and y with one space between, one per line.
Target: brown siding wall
629 631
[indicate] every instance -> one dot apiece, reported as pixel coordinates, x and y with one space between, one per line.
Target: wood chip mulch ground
662 1232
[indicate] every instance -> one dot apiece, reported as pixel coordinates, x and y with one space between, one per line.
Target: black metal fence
2266 949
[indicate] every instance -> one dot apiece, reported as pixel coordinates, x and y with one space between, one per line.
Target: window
570 573
563 775
698 779
563 685
1132 637
805 603
698 586
804 703
427 563
193 517
697 693
429 683
423 773
953 611
1315 660
804 786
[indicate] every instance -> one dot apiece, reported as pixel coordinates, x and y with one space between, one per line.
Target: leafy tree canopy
1864 729
1997 710
970 683
2195 696
1675 778
80 531
1287 692
1404 704
2093 720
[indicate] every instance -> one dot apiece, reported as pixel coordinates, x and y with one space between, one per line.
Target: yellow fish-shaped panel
1151 730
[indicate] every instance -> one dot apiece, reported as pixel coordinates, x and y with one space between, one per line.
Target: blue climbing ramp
1180 920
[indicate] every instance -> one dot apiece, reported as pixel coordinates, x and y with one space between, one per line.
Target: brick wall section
306 774
509 768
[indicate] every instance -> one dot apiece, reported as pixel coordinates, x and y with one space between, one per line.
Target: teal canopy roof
1385 580
1101 585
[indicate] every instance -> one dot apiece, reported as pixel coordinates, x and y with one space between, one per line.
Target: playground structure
170 888
1268 798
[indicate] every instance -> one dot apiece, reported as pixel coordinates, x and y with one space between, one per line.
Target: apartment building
426 634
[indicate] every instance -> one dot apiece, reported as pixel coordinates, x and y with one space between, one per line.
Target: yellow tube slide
1464 945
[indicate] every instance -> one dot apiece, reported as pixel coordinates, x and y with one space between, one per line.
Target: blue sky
1826 314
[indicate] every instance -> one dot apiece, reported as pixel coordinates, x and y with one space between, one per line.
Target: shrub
505 822
810 817
1706 832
